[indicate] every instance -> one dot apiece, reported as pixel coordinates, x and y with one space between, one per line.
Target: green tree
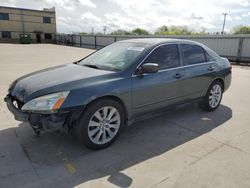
241 29
82 33
162 29
140 31
173 30
202 32
99 33
120 32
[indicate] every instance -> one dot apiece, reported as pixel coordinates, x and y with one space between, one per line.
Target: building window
4 16
6 34
46 20
48 36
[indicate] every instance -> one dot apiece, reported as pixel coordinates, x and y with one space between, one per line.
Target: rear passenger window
166 56
209 58
193 54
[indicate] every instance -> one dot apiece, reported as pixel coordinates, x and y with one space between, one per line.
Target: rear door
155 90
199 70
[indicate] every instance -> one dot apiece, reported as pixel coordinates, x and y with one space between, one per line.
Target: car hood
53 79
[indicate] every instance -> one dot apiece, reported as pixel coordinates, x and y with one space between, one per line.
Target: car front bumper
18 114
41 121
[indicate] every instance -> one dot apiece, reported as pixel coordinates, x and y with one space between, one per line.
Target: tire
214 93
92 128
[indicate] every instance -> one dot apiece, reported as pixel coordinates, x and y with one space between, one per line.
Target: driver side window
166 56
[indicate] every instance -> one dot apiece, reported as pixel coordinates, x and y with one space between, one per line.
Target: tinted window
193 54
4 16
209 58
6 34
46 20
47 36
166 56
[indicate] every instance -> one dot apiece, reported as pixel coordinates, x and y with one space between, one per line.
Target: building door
38 38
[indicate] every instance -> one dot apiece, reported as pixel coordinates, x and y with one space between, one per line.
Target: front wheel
213 97
100 124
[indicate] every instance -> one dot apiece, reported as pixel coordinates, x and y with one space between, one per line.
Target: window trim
184 64
181 67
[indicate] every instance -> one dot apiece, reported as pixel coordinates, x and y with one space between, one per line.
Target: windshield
115 57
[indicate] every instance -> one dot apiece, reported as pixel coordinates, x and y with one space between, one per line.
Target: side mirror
148 68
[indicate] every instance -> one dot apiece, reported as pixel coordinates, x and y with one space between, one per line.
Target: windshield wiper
91 66
76 62
101 67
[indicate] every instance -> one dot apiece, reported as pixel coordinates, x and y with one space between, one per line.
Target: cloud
89 17
64 3
244 3
83 15
246 14
237 18
88 3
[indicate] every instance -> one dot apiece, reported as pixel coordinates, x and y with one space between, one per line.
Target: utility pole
224 21
92 31
104 30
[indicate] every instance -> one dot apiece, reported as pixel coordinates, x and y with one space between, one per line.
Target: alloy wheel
104 125
215 96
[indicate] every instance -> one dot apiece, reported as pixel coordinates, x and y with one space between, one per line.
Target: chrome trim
163 70
199 64
185 66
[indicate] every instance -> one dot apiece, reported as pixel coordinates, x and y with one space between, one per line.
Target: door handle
178 76
211 68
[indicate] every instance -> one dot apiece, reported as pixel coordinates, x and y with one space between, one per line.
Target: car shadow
139 142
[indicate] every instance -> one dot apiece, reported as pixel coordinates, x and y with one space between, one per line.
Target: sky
82 15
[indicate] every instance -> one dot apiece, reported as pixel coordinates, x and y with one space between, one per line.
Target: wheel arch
221 80
112 97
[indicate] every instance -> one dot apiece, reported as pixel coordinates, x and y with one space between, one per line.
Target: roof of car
154 41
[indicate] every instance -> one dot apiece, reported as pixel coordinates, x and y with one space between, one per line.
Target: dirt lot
182 148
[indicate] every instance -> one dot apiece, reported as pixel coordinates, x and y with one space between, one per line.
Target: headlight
47 102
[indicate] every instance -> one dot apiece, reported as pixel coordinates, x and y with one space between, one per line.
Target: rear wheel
213 97
100 124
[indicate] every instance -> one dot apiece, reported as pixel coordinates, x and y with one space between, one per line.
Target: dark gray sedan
98 95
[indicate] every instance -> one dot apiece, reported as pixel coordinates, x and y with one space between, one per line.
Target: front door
38 38
156 90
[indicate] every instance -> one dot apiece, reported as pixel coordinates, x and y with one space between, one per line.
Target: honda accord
95 97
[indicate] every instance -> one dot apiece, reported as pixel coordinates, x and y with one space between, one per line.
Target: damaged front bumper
18 114
39 121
